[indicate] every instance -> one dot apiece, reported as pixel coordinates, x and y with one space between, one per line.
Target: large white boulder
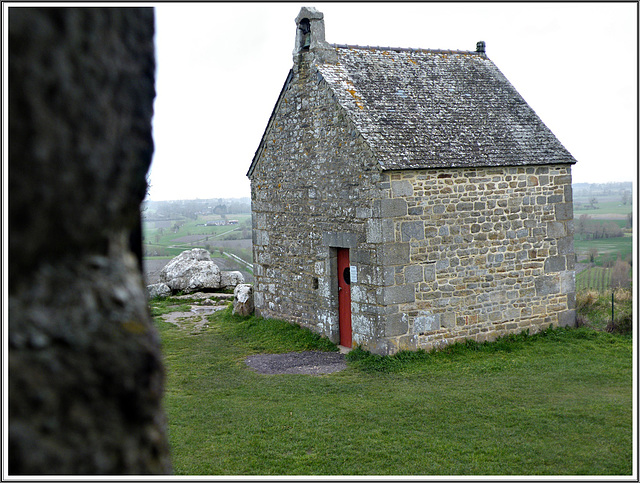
191 271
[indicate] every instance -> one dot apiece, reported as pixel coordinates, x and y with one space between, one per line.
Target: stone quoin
425 170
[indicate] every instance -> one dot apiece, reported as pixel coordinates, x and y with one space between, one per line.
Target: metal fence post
612 292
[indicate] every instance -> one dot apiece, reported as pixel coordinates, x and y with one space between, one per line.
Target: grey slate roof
433 108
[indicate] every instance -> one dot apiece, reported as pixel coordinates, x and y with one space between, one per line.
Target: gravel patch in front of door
308 362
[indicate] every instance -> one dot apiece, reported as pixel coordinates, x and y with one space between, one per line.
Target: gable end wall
311 189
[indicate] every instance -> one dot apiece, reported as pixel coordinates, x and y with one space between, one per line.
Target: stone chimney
310 35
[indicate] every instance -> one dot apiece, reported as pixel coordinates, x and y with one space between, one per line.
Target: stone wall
485 252
311 193
85 368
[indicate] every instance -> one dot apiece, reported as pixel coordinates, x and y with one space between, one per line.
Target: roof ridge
407 49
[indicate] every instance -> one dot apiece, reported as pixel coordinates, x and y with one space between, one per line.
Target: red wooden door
344 297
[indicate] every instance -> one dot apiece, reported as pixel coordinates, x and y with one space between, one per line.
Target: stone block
258 300
448 319
429 272
565 245
401 189
564 211
414 273
391 208
567 318
243 303
570 227
394 254
379 230
556 229
396 324
511 313
360 257
555 264
562 179
340 240
358 295
397 294
464 206
568 282
426 322
547 285
568 193
261 237
386 276
260 221
412 230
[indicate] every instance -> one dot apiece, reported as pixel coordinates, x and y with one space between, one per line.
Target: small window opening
305 27
346 275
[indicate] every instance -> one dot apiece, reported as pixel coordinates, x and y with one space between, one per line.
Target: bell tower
309 32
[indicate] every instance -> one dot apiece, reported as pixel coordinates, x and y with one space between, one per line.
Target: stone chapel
408 198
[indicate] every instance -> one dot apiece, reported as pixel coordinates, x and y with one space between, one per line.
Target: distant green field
598 277
621 223
609 209
605 207
167 235
170 238
608 248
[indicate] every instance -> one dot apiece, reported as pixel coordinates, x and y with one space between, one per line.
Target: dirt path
195 319
308 362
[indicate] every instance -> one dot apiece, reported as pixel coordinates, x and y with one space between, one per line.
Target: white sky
221 66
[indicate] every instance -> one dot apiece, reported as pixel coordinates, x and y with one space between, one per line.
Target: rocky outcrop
85 379
195 271
243 299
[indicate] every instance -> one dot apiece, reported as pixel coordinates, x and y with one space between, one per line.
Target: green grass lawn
559 403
